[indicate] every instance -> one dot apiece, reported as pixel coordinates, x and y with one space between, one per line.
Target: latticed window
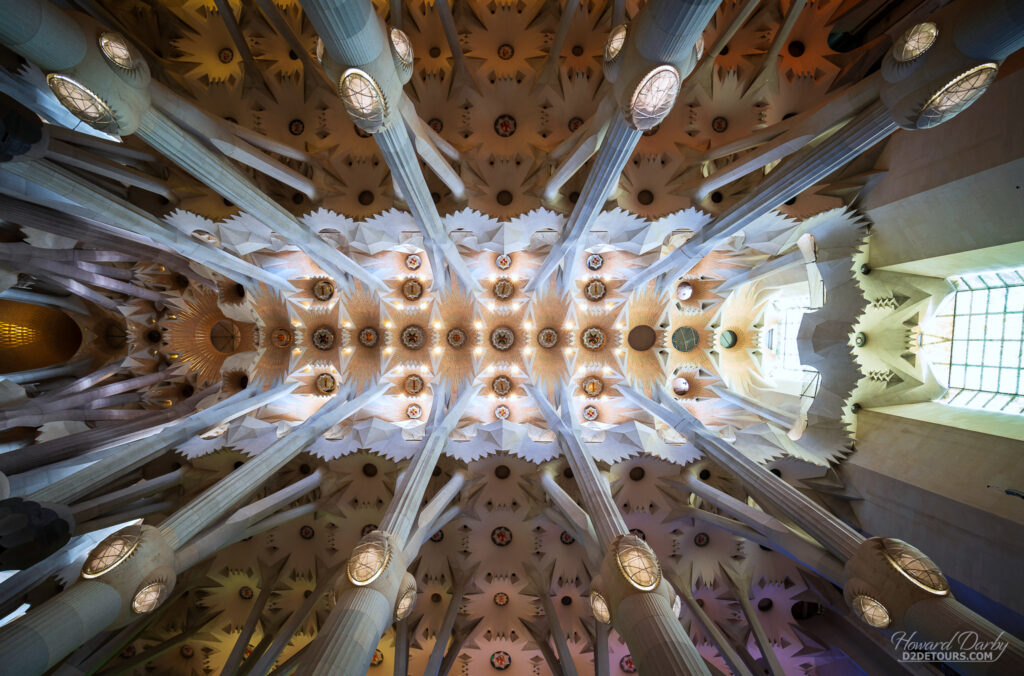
916 565
983 362
363 100
871 611
148 597
638 563
781 339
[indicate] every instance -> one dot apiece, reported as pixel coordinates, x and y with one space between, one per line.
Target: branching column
657 641
796 174
348 638
47 633
217 500
127 457
836 536
887 582
354 37
134 219
663 35
159 131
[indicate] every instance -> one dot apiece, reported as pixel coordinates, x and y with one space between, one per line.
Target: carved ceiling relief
506 115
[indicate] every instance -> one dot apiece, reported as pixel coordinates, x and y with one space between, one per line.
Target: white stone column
68 303
401 648
451 613
619 141
870 570
713 631
215 501
601 666
46 634
348 638
255 517
765 487
354 36
664 32
134 454
42 33
133 219
594 489
740 582
644 619
794 175
159 131
399 154
786 421
762 270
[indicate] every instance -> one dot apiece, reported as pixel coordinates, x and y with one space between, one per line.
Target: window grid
785 343
984 369
781 338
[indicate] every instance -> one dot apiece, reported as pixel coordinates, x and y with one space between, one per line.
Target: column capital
885 577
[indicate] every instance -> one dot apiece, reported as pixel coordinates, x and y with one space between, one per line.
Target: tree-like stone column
888 583
643 617
214 170
220 498
663 34
354 37
366 607
47 633
133 219
131 455
798 173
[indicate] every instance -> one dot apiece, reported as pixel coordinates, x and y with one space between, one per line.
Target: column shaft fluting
136 453
669 28
34 643
657 641
197 515
42 33
838 538
350 634
133 219
159 131
796 174
349 29
619 141
946 619
400 156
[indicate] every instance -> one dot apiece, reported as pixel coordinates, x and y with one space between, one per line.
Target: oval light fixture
654 97
637 563
363 99
599 607
369 559
111 552
956 96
